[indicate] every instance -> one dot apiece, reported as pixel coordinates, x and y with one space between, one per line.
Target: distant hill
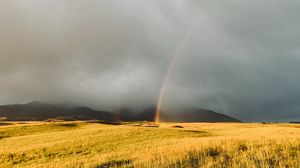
188 114
36 111
179 114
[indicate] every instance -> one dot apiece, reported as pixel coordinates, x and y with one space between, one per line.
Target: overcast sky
239 58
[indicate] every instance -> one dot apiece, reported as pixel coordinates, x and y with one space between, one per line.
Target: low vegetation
97 145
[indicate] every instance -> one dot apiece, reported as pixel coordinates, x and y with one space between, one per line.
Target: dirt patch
177 126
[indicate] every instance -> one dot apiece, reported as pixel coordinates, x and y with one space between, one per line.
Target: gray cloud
239 58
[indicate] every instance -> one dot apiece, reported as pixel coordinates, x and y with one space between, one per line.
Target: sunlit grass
79 144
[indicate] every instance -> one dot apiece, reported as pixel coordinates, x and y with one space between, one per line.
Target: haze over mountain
36 111
240 58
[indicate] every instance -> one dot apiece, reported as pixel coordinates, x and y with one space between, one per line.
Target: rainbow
168 73
163 90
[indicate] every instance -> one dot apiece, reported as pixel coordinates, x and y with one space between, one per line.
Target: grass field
83 144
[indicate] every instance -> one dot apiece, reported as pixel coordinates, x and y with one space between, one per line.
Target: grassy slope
97 145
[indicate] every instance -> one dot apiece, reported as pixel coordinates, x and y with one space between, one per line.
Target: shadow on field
136 124
193 131
5 124
2 137
106 122
197 158
117 163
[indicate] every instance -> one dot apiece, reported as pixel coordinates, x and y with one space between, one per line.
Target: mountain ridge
37 111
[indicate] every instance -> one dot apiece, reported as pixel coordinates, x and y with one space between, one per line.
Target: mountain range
37 111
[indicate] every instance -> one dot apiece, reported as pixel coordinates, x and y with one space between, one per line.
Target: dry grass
79 144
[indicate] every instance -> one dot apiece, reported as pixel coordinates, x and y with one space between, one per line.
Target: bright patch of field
81 144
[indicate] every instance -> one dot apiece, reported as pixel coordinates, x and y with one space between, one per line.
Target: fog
236 57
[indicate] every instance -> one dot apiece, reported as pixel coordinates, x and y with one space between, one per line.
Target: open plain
142 144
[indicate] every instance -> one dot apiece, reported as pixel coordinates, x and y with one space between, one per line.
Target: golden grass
80 144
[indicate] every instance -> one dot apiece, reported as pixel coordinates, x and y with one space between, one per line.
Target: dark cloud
239 58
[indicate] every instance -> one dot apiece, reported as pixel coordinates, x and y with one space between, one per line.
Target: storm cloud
236 57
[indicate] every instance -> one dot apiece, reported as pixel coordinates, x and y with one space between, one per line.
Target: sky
240 58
